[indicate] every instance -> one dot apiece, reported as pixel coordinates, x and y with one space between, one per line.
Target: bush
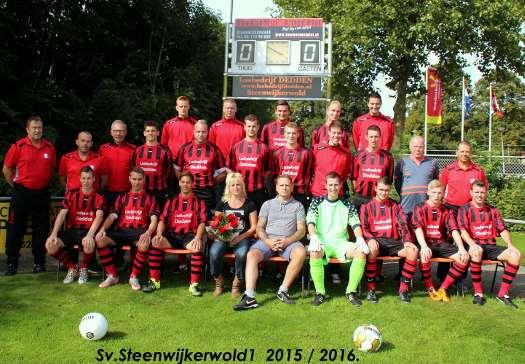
510 201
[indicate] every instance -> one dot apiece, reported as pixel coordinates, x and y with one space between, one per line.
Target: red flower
224 228
219 215
231 217
234 223
214 223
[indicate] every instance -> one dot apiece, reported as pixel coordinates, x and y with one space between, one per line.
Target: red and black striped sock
409 269
475 274
156 258
138 262
371 274
106 258
454 273
379 268
426 274
63 257
86 258
508 276
197 264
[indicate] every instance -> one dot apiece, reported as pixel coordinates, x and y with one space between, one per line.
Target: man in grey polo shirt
280 227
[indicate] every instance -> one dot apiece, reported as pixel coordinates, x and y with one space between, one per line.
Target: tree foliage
81 63
396 38
510 91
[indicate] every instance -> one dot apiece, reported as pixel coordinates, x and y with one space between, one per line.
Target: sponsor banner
434 97
56 204
279 29
277 87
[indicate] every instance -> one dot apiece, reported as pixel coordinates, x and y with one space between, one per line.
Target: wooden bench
276 260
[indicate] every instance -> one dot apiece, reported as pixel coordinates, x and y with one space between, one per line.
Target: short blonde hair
435 183
230 179
332 103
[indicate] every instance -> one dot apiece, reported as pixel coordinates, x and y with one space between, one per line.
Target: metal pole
426 100
490 118
463 110
502 152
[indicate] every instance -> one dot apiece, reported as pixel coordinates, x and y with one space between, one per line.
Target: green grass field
39 319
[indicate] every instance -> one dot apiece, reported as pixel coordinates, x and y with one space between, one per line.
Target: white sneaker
83 277
134 283
109 281
71 275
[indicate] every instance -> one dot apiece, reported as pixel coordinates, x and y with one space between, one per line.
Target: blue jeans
217 250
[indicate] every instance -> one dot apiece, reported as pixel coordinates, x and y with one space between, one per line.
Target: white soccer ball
367 338
93 326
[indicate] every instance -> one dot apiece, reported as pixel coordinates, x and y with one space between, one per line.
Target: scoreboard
280 47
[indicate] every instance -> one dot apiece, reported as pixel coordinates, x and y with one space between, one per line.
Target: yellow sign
56 203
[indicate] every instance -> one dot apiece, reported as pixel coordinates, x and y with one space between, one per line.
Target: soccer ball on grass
93 326
367 338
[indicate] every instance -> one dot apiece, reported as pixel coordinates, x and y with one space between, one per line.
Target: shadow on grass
115 335
387 346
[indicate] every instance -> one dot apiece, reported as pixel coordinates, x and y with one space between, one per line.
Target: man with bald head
204 161
72 162
412 175
117 154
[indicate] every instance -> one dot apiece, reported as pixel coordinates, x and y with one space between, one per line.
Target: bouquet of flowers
224 226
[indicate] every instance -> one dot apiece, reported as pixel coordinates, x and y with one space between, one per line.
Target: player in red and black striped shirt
135 215
370 164
294 161
436 229
181 225
480 224
273 133
204 161
330 157
83 212
178 130
386 231
156 162
251 158
321 134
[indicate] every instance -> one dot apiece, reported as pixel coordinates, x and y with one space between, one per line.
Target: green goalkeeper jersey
331 218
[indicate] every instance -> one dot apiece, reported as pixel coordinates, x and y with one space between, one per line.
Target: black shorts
125 236
72 237
443 250
208 196
258 197
160 197
360 200
178 241
303 198
389 247
492 251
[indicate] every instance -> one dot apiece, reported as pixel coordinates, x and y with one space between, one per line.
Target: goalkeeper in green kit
328 219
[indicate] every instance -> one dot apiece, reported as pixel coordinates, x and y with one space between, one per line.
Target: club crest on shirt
46 156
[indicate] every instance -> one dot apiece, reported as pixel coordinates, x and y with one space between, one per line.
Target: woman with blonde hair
320 135
234 202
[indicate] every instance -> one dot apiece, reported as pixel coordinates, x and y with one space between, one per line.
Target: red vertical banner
434 97
494 106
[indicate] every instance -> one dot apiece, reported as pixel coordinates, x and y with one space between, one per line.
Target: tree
509 90
81 64
397 39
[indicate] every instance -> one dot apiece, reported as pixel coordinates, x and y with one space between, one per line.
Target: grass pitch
39 319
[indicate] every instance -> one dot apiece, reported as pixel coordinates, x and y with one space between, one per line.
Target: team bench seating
305 274
276 260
